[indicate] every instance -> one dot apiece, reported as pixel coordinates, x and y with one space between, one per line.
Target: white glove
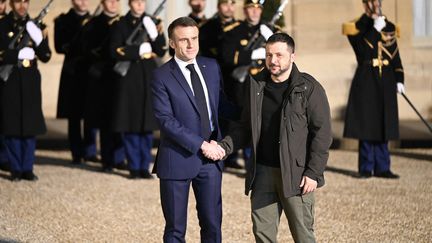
379 23
150 27
265 31
26 53
145 48
34 32
400 88
258 53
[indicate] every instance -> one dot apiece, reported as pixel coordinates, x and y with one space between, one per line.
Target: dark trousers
138 150
112 149
174 199
21 151
81 146
374 156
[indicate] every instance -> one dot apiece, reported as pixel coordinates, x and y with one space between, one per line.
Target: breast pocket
297 111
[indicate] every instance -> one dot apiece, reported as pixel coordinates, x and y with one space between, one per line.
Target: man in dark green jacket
286 118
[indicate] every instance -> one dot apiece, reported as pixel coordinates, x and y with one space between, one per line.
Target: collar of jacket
296 83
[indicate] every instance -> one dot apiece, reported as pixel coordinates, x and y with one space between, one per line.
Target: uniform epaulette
112 21
277 28
2 16
231 26
349 28
85 21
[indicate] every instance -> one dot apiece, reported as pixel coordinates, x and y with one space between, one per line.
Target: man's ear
171 43
293 57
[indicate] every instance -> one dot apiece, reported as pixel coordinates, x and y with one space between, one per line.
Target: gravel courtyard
79 204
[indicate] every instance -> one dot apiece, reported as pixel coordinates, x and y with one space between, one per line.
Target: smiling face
279 60
185 42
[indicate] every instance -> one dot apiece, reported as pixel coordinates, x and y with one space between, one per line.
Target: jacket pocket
298 121
300 162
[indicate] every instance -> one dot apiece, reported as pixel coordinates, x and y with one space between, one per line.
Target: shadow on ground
345 172
412 155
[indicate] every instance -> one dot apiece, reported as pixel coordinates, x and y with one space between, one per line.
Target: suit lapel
178 75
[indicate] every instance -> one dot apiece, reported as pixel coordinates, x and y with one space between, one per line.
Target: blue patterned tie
200 101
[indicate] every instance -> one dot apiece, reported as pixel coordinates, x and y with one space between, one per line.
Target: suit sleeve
319 125
170 127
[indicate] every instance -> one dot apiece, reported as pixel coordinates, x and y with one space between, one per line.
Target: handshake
212 150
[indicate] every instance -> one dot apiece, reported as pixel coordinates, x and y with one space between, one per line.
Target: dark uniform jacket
100 86
211 37
132 99
67 40
234 55
372 111
305 130
20 96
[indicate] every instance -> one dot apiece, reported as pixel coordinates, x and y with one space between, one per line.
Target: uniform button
279 142
284 118
258 93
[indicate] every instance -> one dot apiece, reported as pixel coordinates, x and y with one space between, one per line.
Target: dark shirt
268 146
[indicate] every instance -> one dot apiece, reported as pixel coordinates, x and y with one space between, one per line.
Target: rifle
6 70
122 67
417 112
240 73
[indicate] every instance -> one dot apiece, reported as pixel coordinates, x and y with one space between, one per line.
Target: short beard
280 72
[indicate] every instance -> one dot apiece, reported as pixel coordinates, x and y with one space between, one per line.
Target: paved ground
79 204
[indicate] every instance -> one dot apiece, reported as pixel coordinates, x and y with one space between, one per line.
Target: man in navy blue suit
185 102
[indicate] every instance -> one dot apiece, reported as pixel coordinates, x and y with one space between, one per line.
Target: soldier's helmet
253 3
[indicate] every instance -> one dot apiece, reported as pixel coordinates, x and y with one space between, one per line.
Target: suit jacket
179 155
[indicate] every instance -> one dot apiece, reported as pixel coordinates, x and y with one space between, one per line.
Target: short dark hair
182 21
282 37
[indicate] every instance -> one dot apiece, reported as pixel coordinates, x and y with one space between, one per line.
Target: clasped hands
212 150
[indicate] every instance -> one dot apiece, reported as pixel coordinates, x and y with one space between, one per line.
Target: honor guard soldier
71 99
197 14
372 110
212 32
21 117
133 115
235 54
100 88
